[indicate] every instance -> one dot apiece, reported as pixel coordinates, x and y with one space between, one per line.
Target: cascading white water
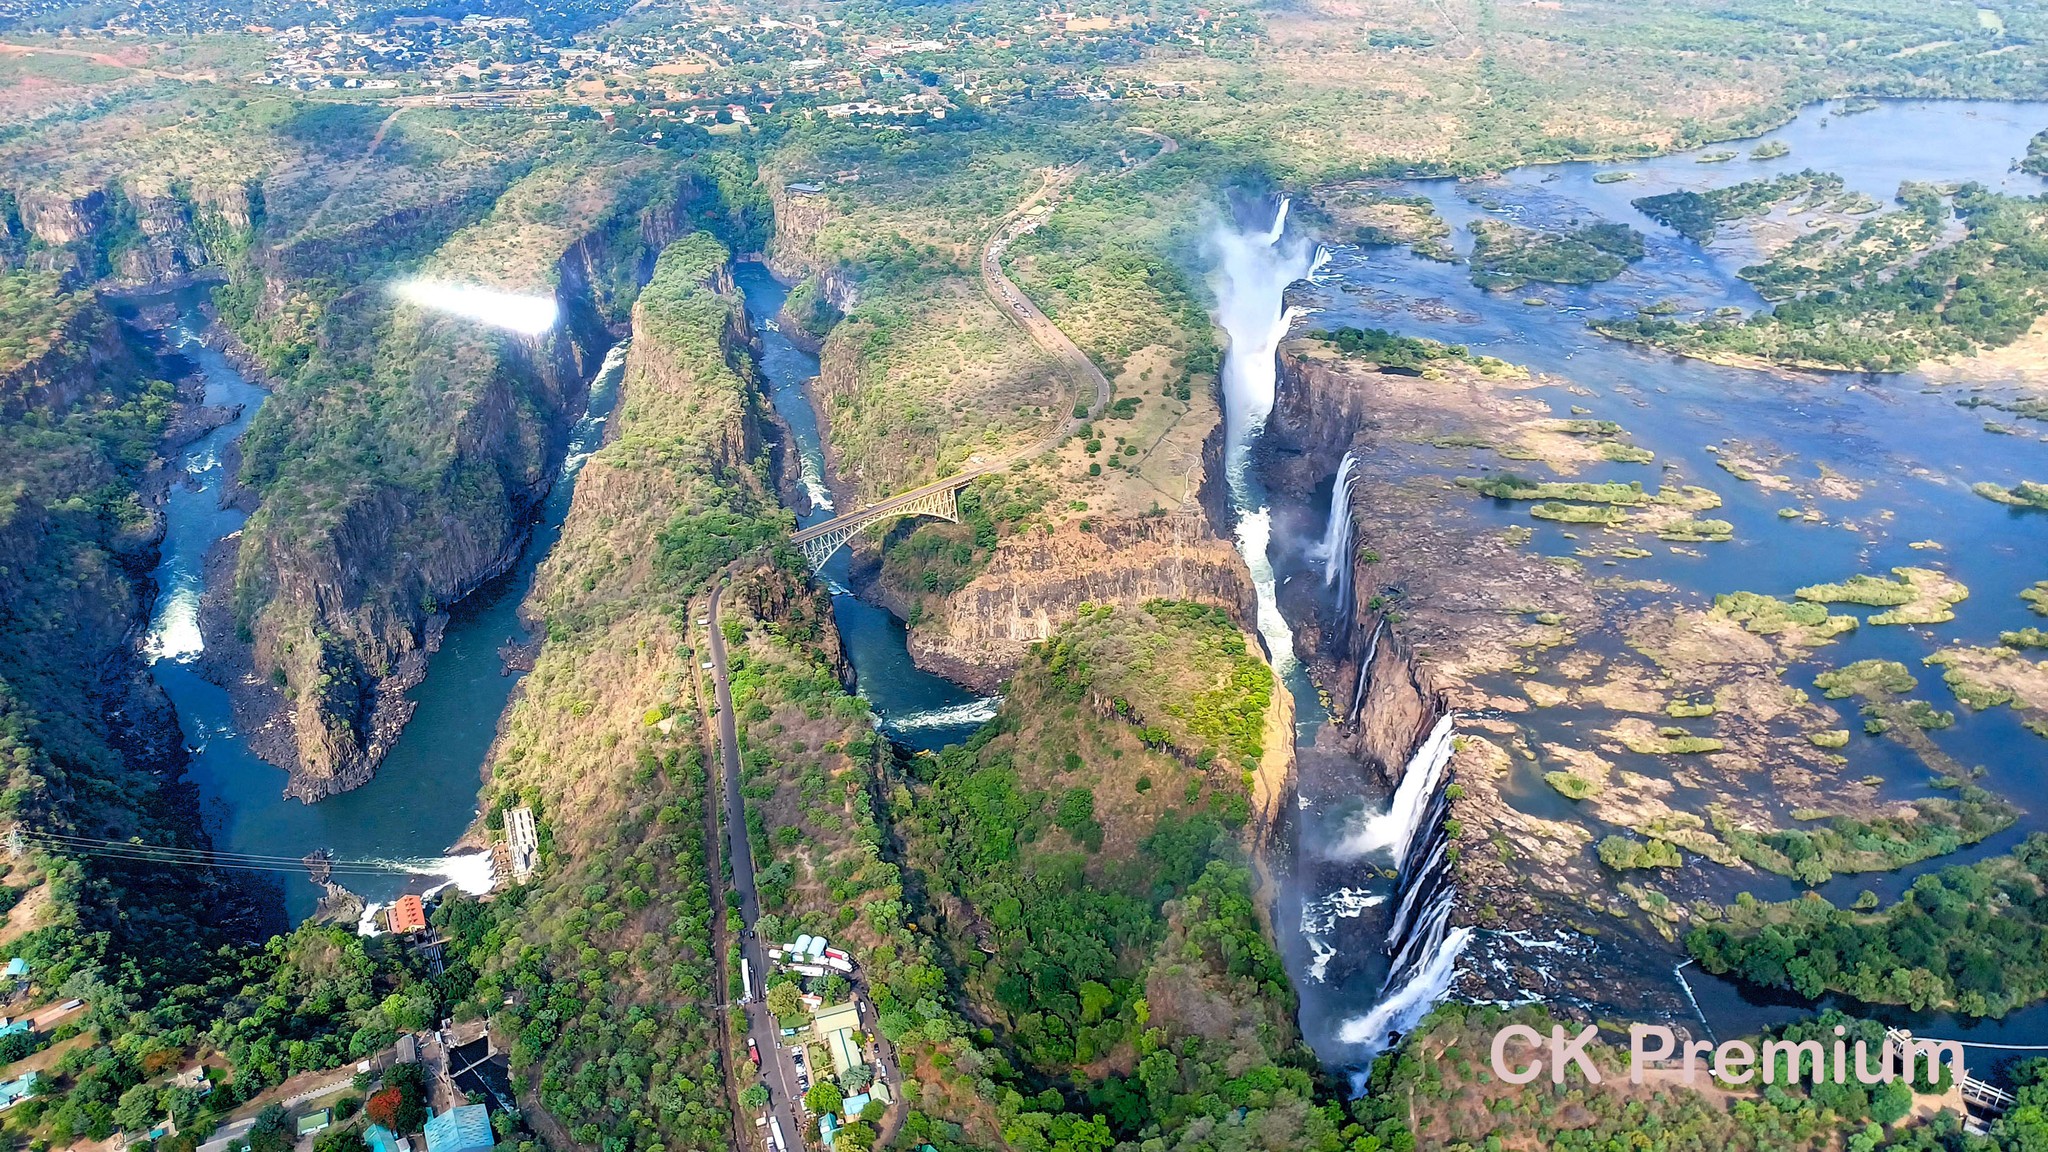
1252 273
1436 921
1413 895
1335 547
1408 1004
977 711
1372 649
1397 827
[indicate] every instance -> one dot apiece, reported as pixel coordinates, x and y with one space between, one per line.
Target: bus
775 1134
746 981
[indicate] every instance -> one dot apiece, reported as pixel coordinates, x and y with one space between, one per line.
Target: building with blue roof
14 1091
17 969
464 1129
382 1139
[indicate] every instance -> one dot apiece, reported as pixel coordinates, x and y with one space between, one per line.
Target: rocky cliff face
81 352
1034 583
349 615
131 235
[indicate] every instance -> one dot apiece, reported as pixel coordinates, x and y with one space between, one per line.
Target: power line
95 842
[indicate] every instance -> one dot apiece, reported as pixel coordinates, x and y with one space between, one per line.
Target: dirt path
355 175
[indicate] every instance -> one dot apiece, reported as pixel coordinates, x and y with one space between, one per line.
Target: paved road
1019 308
1026 315
776 1068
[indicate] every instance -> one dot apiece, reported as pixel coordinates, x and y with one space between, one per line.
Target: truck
753 1052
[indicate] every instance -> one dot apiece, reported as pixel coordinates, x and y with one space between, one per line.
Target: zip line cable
66 840
61 840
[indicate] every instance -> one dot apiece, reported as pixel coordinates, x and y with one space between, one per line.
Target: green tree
824 1096
786 1001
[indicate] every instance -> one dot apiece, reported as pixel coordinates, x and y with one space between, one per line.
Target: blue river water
423 797
1914 452
917 709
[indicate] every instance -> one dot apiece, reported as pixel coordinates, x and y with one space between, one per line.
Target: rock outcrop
129 234
1034 583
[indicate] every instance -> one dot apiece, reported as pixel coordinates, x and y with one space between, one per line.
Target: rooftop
464 1129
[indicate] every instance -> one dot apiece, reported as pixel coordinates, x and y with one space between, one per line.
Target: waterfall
1372 649
1416 795
1405 1008
1436 921
1335 548
1413 896
1252 273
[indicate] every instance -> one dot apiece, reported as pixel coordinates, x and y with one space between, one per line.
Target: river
1909 446
423 797
917 709
393 832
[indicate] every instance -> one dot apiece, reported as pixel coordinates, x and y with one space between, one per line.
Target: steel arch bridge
940 499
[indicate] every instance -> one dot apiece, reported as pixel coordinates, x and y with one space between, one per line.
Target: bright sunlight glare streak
527 315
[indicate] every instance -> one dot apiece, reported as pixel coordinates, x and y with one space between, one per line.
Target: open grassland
1466 86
